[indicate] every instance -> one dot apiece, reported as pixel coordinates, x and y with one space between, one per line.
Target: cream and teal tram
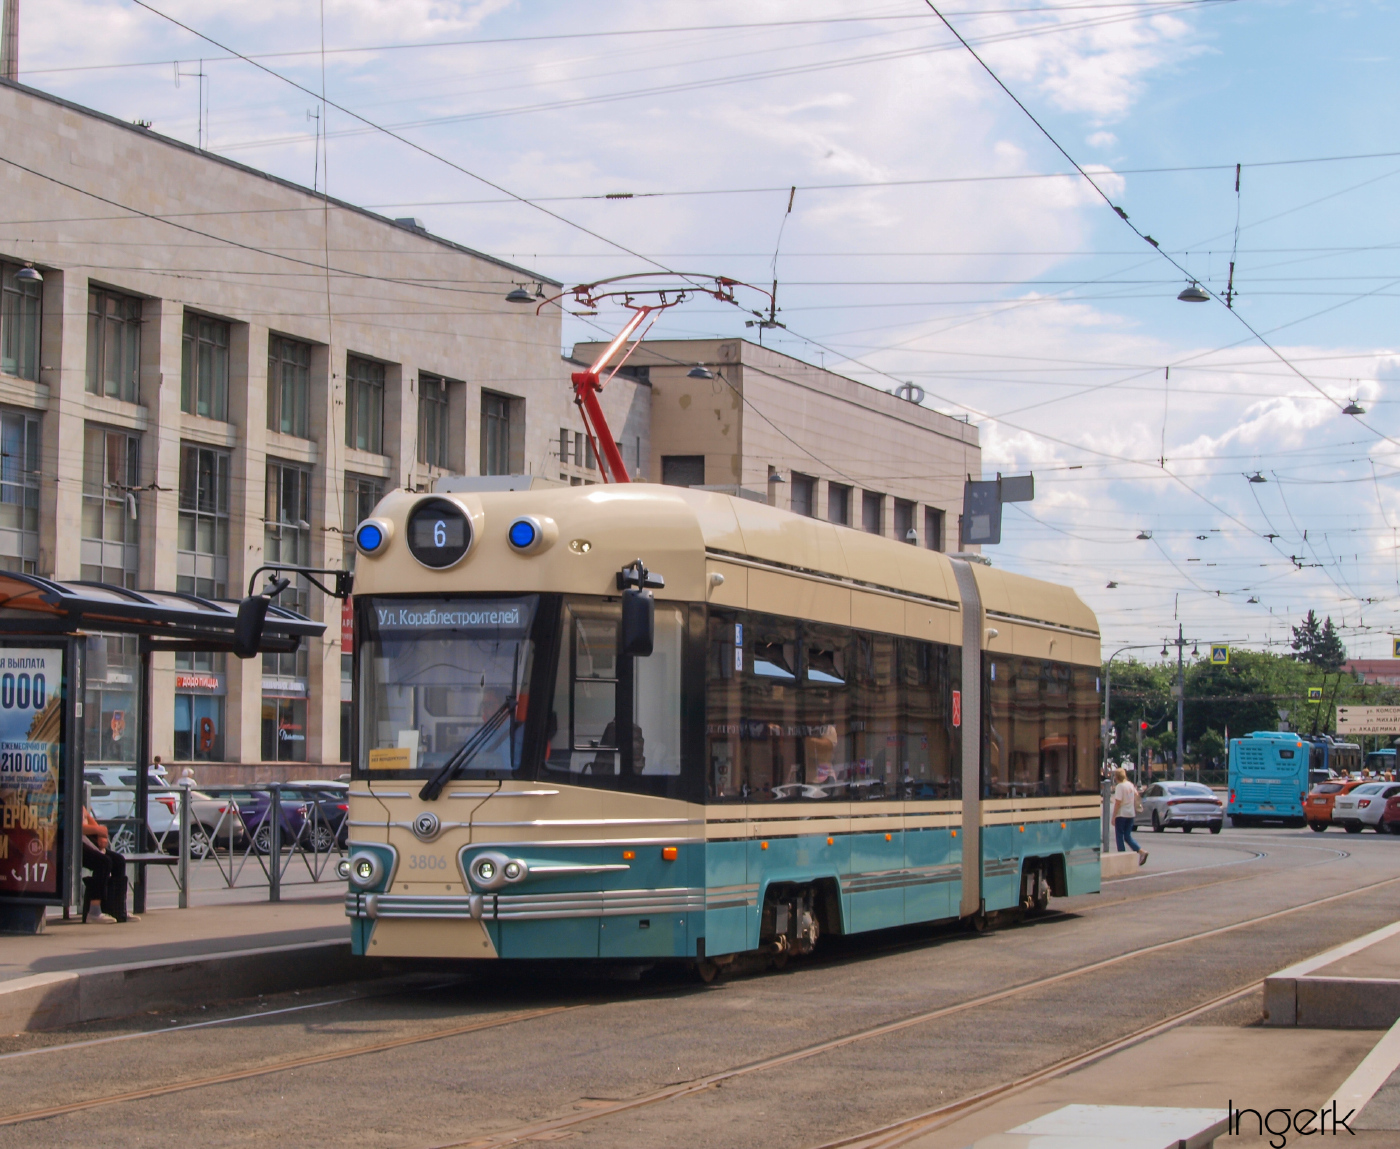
646 722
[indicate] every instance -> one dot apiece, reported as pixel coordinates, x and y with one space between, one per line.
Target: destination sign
494 618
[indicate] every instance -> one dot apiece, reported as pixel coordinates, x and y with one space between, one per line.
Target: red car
1317 806
1390 816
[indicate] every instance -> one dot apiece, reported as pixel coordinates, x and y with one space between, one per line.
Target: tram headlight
491 871
366 870
486 870
512 871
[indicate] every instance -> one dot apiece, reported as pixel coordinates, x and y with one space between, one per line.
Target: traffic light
1142 725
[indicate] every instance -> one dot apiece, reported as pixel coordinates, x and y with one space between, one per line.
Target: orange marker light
955 833
1062 825
669 853
1023 829
763 845
889 837
831 841
628 855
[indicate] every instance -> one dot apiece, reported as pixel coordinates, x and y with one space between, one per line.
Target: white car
112 798
1362 808
1184 804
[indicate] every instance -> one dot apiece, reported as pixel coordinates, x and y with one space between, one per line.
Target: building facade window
804 494
933 528
904 522
364 405
283 729
433 410
683 470
114 345
200 688
495 434
201 559
288 386
111 702
838 504
362 495
19 492
20 309
872 512
204 367
287 539
111 473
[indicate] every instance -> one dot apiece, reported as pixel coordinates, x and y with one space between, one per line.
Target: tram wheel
780 959
981 923
706 970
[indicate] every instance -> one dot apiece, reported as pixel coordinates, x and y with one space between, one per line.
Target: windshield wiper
467 751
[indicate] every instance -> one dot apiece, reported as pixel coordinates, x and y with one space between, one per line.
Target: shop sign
284 687
31 743
209 682
347 626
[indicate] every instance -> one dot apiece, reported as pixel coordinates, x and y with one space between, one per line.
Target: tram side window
1040 737
810 711
583 728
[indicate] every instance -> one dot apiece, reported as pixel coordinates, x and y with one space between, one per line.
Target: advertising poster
31 742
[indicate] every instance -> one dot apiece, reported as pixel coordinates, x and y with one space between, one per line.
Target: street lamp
1194 294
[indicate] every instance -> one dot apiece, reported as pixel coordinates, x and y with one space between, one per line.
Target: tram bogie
798 763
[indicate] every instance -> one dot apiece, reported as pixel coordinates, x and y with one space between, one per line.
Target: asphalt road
549 1055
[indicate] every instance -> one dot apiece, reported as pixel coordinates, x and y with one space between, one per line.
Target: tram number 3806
427 862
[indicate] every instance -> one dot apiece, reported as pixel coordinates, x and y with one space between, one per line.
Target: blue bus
1269 779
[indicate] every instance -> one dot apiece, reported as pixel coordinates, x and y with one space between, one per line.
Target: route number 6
439 534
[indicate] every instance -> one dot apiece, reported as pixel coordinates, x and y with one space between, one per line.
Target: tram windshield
433 671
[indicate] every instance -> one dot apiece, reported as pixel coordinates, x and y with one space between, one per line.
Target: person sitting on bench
104 893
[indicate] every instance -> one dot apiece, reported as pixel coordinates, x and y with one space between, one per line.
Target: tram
644 722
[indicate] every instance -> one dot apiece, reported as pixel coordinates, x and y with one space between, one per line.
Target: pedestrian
1127 804
186 777
108 874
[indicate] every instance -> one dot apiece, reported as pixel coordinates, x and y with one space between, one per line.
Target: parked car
112 800
1184 804
214 823
1364 806
329 825
1390 816
1320 798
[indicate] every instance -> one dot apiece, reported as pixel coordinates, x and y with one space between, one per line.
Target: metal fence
272 834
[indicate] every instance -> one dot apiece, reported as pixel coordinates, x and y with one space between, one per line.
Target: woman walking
1125 808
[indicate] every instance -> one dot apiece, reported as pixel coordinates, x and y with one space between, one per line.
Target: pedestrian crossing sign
1395 648
1314 694
1220 654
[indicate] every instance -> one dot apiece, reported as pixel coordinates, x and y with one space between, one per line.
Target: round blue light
369 537
522 534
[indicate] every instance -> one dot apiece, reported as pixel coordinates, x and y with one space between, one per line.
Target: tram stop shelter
44 625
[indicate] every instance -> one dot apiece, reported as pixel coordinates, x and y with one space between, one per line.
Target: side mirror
252 613
637 634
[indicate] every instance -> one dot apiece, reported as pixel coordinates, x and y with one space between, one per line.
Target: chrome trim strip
600 822
825 577
558 871
1025 620
505 794
380 794
443 827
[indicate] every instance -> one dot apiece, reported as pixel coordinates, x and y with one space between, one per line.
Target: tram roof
676 529
31 604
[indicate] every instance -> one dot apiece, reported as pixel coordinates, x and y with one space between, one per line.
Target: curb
1293 997
69 997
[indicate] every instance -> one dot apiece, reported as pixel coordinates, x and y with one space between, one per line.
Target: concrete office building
220 369
804 438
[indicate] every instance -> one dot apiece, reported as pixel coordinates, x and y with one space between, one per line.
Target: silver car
1184 804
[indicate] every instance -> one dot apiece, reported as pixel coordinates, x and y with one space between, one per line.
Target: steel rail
556 1125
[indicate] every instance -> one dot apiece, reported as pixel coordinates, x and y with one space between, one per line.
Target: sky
938 234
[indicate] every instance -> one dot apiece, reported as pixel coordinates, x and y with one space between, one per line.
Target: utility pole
9 41
1180 773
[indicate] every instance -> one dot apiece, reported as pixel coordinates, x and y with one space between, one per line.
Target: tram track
710 1081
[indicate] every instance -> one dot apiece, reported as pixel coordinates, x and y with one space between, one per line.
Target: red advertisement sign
196 682
347 626
957 708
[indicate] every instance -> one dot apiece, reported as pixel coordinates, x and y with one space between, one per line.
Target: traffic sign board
1314 694
1368 720
1220 654
1395 647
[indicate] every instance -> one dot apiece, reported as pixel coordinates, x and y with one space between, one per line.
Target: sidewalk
171 934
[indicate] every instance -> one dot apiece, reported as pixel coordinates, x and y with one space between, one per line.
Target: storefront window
283 729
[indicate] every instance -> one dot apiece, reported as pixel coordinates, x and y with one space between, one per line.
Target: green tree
1319 644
